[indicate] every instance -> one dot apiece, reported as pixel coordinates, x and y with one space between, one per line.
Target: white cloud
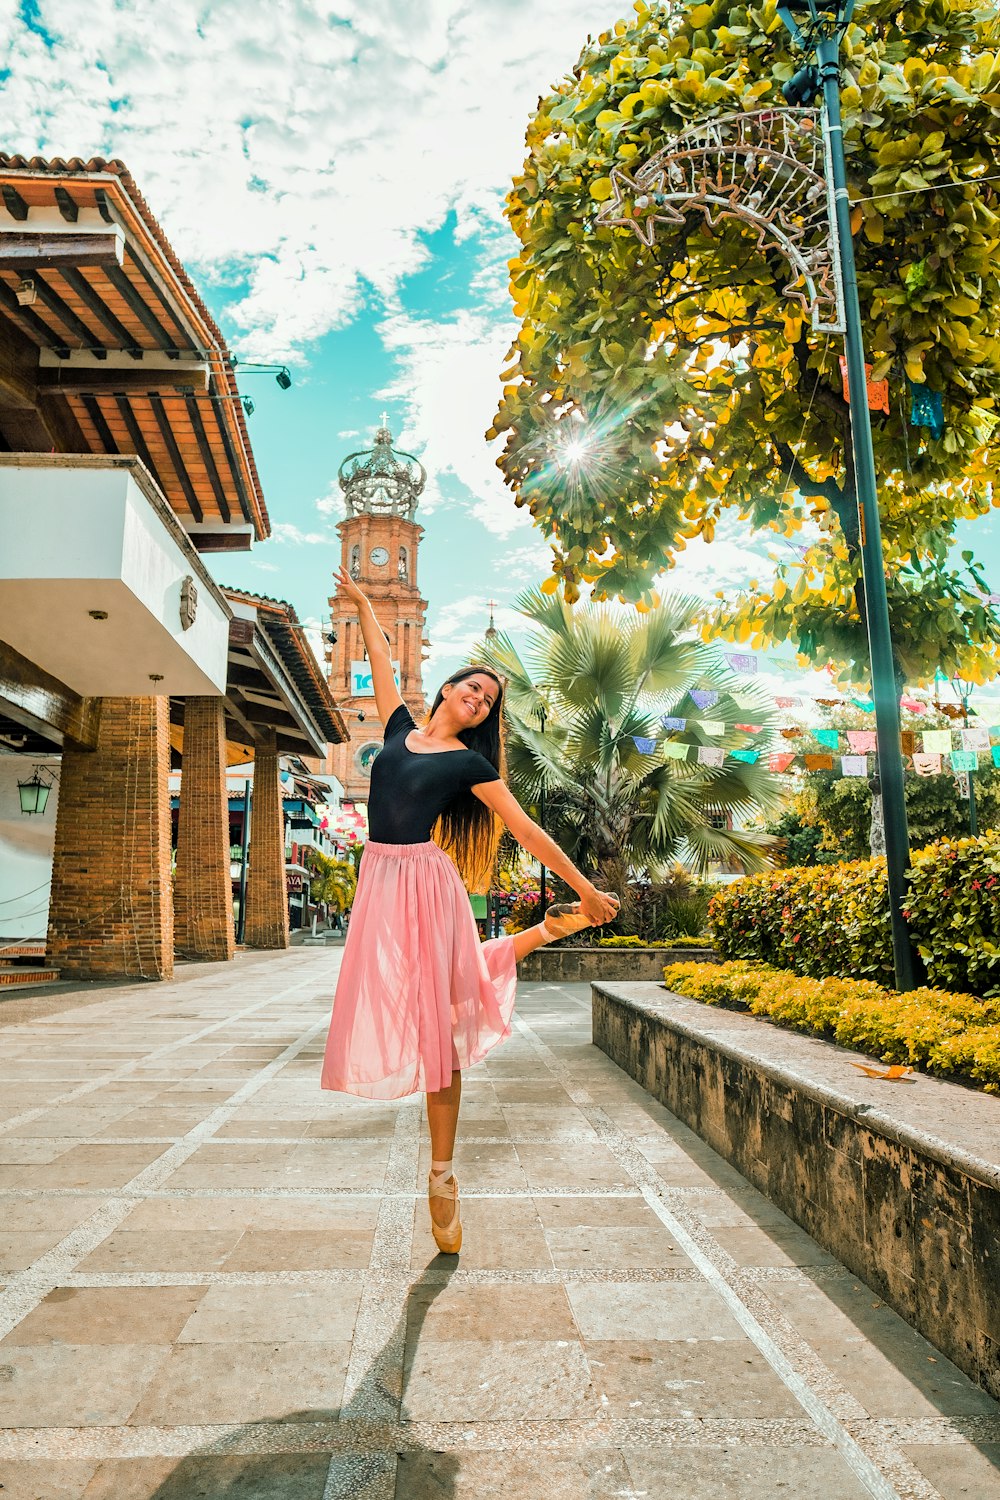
306 146
284 531
447 383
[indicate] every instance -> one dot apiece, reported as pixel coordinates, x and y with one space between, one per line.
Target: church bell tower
379 541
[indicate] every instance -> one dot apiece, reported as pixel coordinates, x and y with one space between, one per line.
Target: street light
825 25
541 823
33 794
962 689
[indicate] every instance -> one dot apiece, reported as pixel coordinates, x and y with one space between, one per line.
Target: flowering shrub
943 1032
523 912
834 919
630 941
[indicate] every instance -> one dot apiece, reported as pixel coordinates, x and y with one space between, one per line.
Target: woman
419 998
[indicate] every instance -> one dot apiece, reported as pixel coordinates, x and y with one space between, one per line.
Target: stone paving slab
219 1282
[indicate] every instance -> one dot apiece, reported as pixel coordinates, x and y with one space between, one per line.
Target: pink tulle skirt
419 995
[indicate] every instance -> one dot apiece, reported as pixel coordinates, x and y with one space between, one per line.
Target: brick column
111 907
267 903
203 893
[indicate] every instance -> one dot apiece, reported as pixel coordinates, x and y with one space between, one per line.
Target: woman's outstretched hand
350 588
599 906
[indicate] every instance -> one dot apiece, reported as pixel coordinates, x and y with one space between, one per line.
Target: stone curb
894 1189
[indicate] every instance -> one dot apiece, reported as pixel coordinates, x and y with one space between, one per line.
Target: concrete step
22 950
13 976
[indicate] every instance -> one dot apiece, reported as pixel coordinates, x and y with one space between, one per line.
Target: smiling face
471 698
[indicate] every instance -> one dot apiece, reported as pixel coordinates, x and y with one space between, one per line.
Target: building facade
379 542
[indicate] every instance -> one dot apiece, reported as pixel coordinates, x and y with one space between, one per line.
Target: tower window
355 566
404 565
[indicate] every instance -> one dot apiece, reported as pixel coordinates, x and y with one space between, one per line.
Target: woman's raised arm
387 696
597 905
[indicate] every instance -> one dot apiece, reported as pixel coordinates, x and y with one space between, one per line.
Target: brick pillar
267 903
203 892
111 908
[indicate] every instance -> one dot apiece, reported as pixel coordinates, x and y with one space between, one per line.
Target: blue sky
332 175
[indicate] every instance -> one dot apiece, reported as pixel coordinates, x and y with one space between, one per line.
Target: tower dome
380 481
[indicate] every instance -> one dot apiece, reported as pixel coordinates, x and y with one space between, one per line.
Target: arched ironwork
768 168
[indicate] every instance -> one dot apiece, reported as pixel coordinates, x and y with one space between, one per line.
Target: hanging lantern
34 793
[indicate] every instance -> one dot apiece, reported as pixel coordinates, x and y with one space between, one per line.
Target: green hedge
834 919
944 1033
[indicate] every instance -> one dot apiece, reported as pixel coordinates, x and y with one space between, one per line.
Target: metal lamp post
825 28
962 689
542 902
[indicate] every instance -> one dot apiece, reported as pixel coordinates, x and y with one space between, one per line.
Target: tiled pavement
216 1285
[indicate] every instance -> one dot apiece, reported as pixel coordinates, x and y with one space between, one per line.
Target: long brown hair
468 831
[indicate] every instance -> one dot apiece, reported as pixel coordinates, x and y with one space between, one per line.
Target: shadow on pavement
351 1474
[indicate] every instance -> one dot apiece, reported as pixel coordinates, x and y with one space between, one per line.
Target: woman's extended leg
442 1117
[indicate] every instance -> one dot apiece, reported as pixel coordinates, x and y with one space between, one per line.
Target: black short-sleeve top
410 791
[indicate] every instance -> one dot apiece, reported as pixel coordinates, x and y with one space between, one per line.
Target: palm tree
333 880
595 678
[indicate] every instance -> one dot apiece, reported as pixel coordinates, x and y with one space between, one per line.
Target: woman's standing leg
442 1117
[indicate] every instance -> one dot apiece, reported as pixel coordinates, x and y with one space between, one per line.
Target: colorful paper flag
781 760
914 705
713 727
854 765
711 755
791 734
670 721
907 741
786 702
865 704
964 760
819 762
862 741
975 739
927 765
995 752
674 750
738 663
643 745
704 697
748 728
937 741
750 756
829 737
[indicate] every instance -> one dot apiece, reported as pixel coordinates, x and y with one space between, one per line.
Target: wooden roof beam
208 458
67 316
40 702
92 301
14 203
142 310
24 250
70 380
27 316
138 441
167 433
66 205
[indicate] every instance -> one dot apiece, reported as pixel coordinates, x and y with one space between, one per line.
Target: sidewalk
216 1285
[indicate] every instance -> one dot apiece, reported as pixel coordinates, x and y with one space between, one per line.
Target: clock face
379 556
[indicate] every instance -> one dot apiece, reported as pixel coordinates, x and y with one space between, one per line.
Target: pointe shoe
447 1237
563 919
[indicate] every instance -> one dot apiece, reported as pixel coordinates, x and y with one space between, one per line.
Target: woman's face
471 698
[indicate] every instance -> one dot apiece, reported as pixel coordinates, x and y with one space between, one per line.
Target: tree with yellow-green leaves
651 390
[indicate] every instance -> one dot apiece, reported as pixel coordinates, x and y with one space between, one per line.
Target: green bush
942 1032
834 919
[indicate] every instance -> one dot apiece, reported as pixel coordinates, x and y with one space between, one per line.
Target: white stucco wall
88 537
25 852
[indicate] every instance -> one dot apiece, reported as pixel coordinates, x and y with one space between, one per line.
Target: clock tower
379 540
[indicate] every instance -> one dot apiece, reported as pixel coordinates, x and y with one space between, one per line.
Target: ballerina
419 998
